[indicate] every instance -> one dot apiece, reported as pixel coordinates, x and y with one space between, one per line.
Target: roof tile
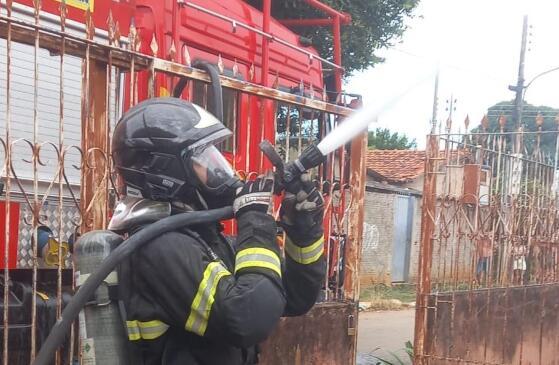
396 166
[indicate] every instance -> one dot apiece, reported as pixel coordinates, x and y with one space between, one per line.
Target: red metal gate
65 85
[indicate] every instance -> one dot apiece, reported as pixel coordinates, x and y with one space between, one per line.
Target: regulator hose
86 291
217 92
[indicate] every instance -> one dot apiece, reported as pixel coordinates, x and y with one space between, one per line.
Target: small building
393 210
392 216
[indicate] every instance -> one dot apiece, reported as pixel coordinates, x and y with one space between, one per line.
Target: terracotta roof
395 166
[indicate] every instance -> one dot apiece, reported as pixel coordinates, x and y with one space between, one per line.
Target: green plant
395 359
409 349
384 139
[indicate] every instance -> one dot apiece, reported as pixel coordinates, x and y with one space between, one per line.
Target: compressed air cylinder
103 339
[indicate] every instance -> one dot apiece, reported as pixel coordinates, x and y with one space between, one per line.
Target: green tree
376 24
529 114
384 139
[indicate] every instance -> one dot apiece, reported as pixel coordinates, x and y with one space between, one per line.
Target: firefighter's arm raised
301 217
200 294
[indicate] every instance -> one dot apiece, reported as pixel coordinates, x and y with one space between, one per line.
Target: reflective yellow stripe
258 257
149 330
305 255
201 306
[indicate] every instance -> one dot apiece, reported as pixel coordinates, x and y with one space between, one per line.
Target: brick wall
378 237
376 258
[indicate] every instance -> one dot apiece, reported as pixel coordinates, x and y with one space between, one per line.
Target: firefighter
190 296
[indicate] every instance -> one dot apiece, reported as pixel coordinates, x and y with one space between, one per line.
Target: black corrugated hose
217 92
70 313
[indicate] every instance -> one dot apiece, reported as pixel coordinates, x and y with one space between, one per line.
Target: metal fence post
426 249
94 191
356 219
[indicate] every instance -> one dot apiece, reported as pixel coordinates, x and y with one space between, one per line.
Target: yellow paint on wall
80 4
163 92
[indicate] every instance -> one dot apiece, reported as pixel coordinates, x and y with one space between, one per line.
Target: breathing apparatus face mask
215 176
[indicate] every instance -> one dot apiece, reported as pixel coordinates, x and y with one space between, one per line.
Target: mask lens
211 168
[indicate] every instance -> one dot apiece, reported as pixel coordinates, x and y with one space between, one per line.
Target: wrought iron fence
64 88
489 249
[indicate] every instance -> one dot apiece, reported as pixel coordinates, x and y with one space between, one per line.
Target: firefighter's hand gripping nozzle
287 175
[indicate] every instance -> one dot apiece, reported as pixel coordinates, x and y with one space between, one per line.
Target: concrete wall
376 258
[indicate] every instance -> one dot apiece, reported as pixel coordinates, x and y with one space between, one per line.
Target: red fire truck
245 44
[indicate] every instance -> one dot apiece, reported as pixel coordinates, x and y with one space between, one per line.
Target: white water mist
358 122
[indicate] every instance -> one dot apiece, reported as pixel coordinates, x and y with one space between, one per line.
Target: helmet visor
211 168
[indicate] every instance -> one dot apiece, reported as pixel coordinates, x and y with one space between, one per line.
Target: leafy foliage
384 139
375 24
395 360
529 114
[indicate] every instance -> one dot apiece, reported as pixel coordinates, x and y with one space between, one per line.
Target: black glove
302 213
255 196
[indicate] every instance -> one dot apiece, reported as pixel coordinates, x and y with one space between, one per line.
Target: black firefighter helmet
164 149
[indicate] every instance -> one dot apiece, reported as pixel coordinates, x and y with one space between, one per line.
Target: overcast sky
476 46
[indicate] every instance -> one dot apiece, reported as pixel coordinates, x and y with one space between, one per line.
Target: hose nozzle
288 174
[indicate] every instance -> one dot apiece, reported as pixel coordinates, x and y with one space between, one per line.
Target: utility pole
450 108
435 105
519 88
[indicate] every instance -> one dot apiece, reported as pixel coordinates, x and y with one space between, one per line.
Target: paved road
385 330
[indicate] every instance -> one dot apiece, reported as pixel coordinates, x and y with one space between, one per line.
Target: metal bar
356 217
271 37
266 10
172 68
61 257
265 69
337 35
345 18
287 133
426 251
307 22
94 196
7 210
36 207
354 242
484 134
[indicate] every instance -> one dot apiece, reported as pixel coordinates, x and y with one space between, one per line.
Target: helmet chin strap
198 203
202 200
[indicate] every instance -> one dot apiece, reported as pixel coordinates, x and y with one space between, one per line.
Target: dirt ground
385 331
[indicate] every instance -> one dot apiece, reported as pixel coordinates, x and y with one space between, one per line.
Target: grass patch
381 292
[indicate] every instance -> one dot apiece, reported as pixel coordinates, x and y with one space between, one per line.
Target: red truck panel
207 37
122 10
14 234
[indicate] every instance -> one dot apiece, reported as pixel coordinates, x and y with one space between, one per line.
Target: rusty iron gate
488 287
63 89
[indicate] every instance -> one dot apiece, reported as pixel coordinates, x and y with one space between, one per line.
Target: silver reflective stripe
305 255
149 330
201 307
111 279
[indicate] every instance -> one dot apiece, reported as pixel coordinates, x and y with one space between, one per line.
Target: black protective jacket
190 297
